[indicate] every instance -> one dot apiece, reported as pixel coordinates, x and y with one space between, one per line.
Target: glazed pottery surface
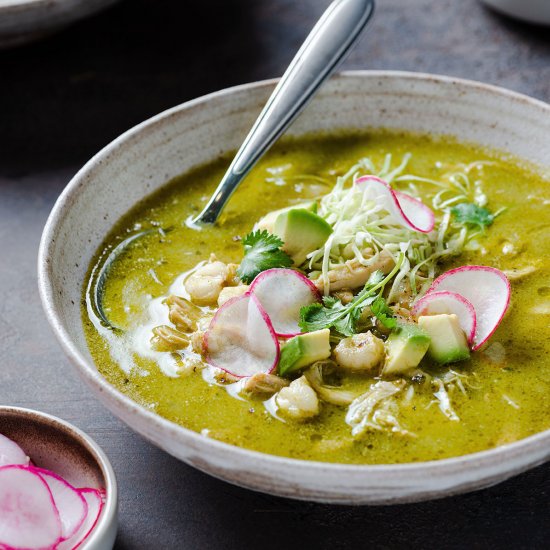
58 446
146 157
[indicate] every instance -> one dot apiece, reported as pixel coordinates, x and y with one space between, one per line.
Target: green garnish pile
333 314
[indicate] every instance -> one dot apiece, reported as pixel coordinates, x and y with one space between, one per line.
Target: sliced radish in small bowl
486 288
435 303
240 339
94 505
11 452
29 518
407 210
282 293
69 502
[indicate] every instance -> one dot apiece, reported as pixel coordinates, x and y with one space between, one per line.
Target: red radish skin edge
54 507
78 541
43 472
100 495
418 204
302 277
265 317
493 270
423 304
297 274
396 195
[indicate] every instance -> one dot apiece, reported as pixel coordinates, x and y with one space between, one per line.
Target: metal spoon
327 44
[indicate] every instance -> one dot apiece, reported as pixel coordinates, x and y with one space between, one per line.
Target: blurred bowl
23 21
56 445
532 11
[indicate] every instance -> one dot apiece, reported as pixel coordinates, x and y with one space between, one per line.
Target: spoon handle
327 44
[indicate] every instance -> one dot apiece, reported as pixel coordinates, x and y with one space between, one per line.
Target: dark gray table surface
65 97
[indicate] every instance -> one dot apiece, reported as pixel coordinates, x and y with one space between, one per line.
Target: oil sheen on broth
508 382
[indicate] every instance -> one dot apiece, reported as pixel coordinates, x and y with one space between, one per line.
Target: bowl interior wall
53 446
180 140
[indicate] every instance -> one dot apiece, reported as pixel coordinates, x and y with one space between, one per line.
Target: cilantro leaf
316 317
347 325
262 251
468 213
383 313
342 318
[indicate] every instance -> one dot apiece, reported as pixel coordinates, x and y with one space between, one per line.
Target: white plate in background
22 21
532 11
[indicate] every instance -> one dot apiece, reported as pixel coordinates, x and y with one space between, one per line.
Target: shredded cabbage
362 228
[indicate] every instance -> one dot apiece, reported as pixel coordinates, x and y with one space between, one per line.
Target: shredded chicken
330 394
354 274
443 401
373 411
344 295
403 295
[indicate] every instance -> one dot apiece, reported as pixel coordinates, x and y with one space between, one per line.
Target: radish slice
240 339
28 516
408 211
282 293
69 502
11 452
438 302
94 505
486 288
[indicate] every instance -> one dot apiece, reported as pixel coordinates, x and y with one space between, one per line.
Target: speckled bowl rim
535 444
109 512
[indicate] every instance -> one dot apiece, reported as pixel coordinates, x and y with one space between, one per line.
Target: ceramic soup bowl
146 157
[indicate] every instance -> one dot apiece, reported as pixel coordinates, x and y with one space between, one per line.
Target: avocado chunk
302 231
405 348
303 350
448 341
268 221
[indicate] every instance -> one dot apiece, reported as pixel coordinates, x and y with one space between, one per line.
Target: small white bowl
146 157
22 21
58 446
